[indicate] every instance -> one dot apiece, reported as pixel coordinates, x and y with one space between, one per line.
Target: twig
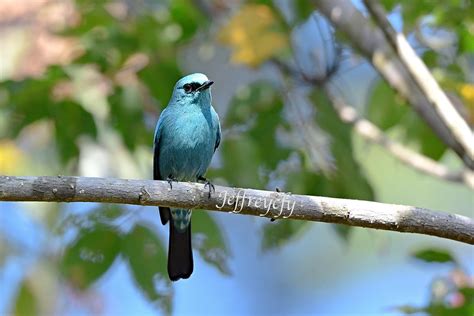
246 201
424 80
371 42
371 132
411 158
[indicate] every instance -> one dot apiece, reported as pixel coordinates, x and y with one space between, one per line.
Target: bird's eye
188 88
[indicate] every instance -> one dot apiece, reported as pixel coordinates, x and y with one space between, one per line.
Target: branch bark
424 80
371 42
245 201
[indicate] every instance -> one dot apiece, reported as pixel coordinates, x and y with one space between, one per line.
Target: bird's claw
211 188
170 180
208 184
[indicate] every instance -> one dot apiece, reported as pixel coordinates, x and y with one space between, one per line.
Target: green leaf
209 241
147 259
430 58
25 303
103 214
107 213
389 4
385 109
434 255
417 131
468 293
279 233
440 309
466 41
408 309
91 255
302 9
30 100
437 309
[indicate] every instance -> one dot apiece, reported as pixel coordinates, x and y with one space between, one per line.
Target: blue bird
187 134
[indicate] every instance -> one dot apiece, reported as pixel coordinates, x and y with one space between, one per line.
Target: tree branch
371 42
246 201
424 80
372 133
411 158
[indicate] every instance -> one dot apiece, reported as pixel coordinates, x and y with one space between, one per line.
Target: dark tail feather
180 253
165 215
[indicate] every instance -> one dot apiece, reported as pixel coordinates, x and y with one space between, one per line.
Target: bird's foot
170 180
208 184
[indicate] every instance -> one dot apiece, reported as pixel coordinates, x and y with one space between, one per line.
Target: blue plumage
186 137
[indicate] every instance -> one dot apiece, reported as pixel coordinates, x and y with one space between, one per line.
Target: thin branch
372 133
392 217
371 42
424 80
411 158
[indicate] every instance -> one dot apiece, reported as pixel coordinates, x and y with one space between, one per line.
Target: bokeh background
82 84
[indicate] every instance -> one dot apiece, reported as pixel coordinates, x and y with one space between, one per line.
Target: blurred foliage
98 245
255 34
91 255
455 15
387 110
209 241
347 180
144 253
246 160
36 102
278 233
428 19
101 240
452 295
127 62
11 157
434 255
26 304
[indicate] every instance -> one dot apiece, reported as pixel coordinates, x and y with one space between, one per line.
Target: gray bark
368 214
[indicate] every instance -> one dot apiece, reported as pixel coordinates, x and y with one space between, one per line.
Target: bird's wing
165 214
215 118
156 148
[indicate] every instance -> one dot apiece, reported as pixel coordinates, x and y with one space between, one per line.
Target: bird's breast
187 146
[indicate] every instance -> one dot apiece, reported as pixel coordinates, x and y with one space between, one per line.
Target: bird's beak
206 85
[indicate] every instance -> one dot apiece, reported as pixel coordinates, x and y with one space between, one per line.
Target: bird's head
194 88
